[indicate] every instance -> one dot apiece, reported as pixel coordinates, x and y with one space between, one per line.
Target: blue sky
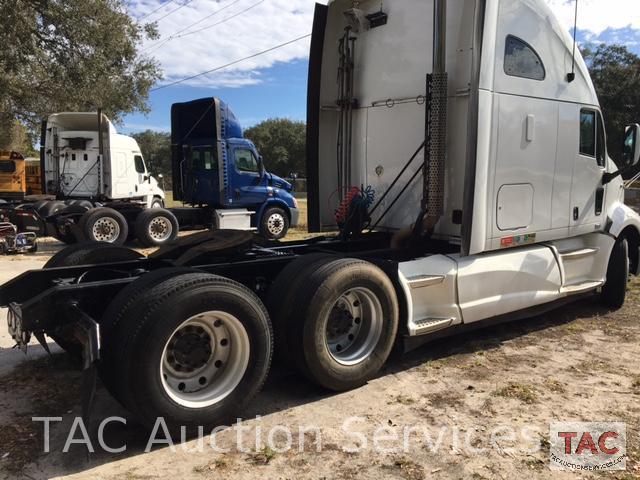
274 85
283 93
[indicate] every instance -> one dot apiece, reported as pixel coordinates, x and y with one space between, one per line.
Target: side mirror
631 149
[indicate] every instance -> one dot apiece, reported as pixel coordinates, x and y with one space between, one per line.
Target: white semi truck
468 163
84 157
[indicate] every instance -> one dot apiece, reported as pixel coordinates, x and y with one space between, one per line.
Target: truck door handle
576 213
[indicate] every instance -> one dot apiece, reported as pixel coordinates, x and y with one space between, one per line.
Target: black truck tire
274 223
614 291
156 227
347 320
119 308
281 295
85 254
50 207
157 203
194 349
67 238
104 225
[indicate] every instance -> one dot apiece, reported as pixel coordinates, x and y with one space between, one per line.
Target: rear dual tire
104 225
342 322
193 348
156 227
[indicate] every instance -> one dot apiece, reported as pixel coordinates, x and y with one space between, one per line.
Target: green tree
14 136
615 72
156 150
281 142
71 55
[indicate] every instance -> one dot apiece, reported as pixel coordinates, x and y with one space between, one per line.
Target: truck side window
588 133
521 60
209 161
139 164
601 145
195 159
7 166
245 161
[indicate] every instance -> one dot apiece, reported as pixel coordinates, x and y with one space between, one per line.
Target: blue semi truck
216 168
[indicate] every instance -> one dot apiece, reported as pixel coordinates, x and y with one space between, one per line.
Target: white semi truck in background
95 186
484 197
80 162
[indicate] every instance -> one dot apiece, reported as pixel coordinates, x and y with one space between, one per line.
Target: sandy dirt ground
472 406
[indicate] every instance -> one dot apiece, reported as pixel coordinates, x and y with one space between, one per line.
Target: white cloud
268 24
273 22
598 15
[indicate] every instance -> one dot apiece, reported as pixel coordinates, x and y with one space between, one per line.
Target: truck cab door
200 175
143 187
250 183
587 191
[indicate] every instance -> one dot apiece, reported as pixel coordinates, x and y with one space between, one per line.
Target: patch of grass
132 475
520 391
264 456
402 399
590 366
407 468
217 465
545 444
444 399
535 463
554 385
635 385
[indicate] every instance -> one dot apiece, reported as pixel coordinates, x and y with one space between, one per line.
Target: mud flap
87 331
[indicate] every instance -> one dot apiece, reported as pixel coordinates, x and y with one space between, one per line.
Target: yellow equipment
18 176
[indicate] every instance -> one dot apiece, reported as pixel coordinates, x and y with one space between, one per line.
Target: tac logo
596 446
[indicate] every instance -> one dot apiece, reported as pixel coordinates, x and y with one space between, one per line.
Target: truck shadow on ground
56 390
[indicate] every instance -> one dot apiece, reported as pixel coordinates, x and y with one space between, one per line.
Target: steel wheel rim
275 224
190 379
160 229
106 229
353 326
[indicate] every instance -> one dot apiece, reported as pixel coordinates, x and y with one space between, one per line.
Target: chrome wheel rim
353 326
275 223
204 359
106 229
160 229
